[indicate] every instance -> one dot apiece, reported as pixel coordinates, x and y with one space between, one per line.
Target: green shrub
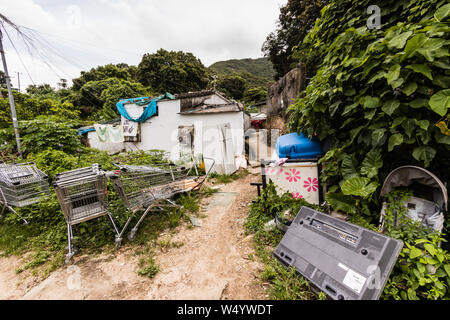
380 96
423 268
49 132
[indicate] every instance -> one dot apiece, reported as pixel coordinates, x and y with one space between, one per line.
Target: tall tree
296 18
233 86
119 71
172 71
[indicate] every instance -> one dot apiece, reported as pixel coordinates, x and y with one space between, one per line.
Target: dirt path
214 262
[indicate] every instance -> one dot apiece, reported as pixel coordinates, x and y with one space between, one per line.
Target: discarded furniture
21 184
82 196
344 260
429 213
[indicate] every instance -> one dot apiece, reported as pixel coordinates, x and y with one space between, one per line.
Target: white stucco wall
161 132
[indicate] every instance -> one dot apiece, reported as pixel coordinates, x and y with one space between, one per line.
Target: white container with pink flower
300 179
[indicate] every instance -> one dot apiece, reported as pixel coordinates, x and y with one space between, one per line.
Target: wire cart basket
21 185
149 188
82 196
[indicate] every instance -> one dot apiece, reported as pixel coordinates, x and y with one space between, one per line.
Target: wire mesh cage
82 196
139 186
147 187
21 185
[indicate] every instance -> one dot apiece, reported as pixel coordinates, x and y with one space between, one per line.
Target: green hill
256 72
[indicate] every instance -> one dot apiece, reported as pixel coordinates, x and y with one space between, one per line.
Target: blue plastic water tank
296 146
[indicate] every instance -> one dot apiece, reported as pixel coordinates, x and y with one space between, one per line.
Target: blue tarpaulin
149 110
82 131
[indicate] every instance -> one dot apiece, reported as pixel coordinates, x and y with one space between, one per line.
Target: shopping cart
82 196
149 188
21 184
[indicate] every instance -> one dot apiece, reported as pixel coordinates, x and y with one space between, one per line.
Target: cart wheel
132 235
68 259
118 242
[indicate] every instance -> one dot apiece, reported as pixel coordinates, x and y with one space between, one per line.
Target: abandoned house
204 122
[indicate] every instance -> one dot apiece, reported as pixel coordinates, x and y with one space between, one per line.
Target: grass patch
148 267
284 283
207 191
223 178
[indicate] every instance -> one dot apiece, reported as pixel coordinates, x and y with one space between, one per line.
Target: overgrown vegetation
45 237
285 283
379 97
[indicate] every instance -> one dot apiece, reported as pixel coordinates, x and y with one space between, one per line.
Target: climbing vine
380 97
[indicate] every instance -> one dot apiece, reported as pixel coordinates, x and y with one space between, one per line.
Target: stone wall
285 91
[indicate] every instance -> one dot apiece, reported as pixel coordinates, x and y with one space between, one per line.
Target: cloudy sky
70 36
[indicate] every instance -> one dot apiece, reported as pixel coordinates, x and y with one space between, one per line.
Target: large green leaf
418 103
400 40
369 102
442 13
424 124
371 163
395 140
359 186
440 102
348 168
421 68
409 88
425 154
393 74
442 138
432 48
409 126
349 108
377 137
413 44
415 253
390 106
340 202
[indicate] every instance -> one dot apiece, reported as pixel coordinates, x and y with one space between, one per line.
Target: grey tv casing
346 261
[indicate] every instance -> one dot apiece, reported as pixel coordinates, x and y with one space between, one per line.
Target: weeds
284 283
223 178
148 267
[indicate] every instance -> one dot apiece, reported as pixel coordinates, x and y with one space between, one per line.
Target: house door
218 144
226 139
186 140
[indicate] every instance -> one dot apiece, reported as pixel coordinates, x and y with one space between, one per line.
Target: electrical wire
17 52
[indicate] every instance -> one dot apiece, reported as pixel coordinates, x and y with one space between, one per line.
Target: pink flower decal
311 184
297 195
272 170
292 175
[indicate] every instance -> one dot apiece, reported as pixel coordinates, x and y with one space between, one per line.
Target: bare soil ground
215 261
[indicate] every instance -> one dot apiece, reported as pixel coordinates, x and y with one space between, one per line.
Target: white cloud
91 33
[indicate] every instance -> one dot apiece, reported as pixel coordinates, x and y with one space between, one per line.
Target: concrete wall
161 132
285 91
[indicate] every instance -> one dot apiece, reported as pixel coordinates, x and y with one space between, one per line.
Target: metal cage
21 185
147 188
82 196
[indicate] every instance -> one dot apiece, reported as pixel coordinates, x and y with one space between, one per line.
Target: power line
20 58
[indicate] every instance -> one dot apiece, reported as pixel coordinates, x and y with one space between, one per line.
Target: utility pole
11 98
18 79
